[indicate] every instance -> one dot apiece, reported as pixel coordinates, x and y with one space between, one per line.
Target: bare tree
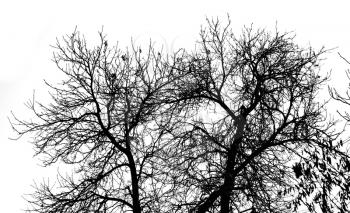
103 122
234 126
257 139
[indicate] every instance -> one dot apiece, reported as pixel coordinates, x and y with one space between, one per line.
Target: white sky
28 28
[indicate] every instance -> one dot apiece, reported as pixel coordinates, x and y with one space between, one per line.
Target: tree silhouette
103 122
234 126
264 143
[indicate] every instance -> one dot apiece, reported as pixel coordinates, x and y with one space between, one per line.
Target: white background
28 28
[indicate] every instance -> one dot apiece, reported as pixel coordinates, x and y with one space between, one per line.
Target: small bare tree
103 122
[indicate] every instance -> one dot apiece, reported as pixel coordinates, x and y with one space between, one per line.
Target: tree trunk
228 184
225 201
229 177
135 188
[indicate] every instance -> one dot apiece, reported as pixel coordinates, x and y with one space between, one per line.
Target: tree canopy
233 126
